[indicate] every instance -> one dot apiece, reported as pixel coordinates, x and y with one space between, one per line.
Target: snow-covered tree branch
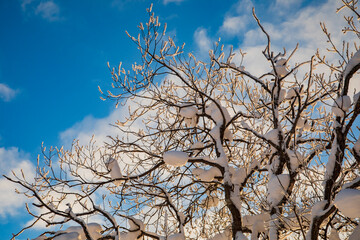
210 150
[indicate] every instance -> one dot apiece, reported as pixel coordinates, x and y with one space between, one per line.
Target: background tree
212 151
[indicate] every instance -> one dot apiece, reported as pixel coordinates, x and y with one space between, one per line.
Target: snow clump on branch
273 136
177 236
175 158
216 114
348 202
356 97
274 90
357 146
189 115
207 175
341 106
292 92
355 60
277 186
237 175
280 67
114 168
76 232
295 159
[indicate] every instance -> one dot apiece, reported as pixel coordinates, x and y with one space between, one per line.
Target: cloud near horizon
13 160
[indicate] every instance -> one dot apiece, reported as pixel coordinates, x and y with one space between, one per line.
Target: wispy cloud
234 25
48 10
11 159
237 19
202 40
25 3
172 1
6 93
283 7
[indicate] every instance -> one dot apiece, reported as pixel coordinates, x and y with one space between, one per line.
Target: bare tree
212 151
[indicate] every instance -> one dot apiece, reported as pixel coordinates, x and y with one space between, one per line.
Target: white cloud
296 25
89 126
11 159
303 28
101 128
6 93
234 25
48 10
202 40
237 19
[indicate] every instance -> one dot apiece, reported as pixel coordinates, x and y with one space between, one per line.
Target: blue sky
54 54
